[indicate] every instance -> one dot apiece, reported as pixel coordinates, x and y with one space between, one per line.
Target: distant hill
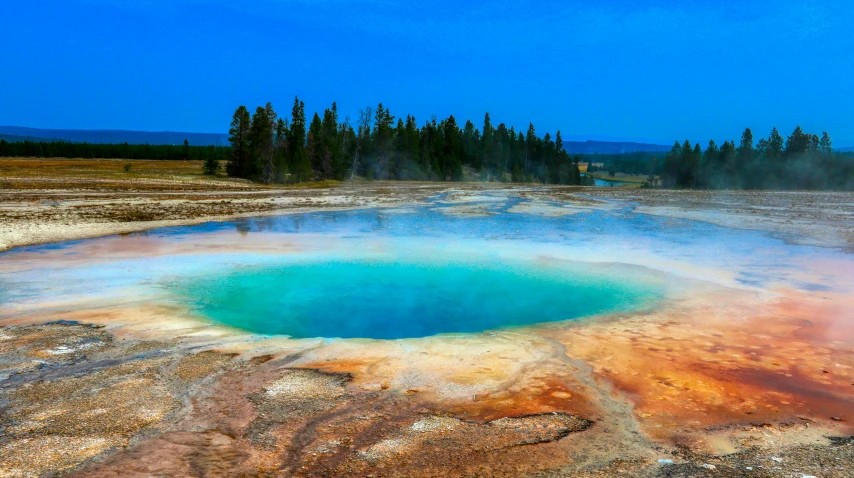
19 133
611 147
850 149
13 138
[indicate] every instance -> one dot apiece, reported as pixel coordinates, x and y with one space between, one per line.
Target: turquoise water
402 299
410 272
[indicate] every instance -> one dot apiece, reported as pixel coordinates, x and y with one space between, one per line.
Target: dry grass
109 175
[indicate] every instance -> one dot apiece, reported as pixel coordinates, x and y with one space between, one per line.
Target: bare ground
608 399
54 200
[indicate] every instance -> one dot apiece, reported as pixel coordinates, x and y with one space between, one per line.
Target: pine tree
281 149
562 163
260 165
298 163
471 150
501 150
729 155
382 144
413 143
487 146
347 140
363 137
530 148
453 170
315 146
271 115
238 137
745 149
825 145
670 177
798 142
685 177
211 165
711 166
330 151
814 143
775 145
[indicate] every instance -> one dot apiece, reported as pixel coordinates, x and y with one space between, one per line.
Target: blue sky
639 70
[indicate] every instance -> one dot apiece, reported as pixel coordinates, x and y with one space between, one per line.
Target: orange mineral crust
727 358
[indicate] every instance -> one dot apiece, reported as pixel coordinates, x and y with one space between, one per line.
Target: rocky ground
720 384
79 400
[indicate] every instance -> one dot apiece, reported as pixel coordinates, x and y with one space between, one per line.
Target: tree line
67 149
801 161
273 149
643 162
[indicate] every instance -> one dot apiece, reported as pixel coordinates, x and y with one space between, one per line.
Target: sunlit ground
479 307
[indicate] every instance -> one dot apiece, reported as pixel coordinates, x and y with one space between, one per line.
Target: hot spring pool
400 273
384 299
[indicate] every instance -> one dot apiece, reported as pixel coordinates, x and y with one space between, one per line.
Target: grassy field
110 175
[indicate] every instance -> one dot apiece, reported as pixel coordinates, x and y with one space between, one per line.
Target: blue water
608 183
404 298
410 272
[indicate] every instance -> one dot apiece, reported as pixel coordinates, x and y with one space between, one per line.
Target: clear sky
655 70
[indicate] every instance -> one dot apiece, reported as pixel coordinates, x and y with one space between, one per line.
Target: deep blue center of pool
403 299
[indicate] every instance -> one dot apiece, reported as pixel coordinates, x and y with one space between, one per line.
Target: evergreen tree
825 145
347 138
729 153
745 152
331 159
471 150
711 166
379 162
363 137
261 146
268 157
530 149
774 145
299 166
501 151
211 165
281 149
687 168
453 170
271 115
238 137
670 177
316 149
487 147
798 142
814 143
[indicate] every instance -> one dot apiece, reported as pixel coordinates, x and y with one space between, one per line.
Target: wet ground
744 368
